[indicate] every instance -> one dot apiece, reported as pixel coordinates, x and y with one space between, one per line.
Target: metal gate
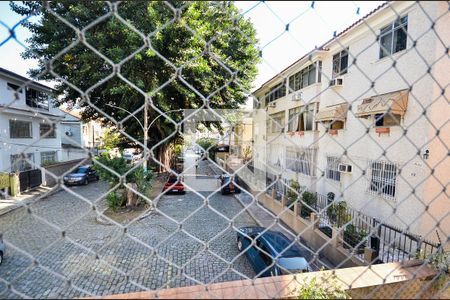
30 179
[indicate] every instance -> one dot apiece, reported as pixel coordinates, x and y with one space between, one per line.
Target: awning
333 113
395 103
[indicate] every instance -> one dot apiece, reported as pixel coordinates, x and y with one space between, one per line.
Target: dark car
174 185
81 175
228 184
271 244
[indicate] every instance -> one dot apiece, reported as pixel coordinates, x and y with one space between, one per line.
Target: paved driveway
60 250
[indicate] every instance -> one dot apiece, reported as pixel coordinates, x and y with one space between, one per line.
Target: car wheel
86 181
97 178
223 192
239 244
1 257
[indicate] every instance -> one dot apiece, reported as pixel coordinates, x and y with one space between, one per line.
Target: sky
311 23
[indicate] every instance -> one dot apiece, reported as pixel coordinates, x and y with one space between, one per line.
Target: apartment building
29 124
72 138
365 116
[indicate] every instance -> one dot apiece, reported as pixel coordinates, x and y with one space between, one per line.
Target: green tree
110 139
209 145
142 179
218 57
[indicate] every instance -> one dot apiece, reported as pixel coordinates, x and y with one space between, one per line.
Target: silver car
2 248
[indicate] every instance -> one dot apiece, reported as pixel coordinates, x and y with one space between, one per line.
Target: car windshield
280 243
226 179
172 180
82 170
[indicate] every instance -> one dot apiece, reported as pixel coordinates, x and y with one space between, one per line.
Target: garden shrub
114 200
142 179
337 213
292 194
353 237
309 199
329 288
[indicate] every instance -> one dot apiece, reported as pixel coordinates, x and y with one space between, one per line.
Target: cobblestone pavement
265 218
60 250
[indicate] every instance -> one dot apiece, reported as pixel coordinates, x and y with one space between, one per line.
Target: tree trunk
131 196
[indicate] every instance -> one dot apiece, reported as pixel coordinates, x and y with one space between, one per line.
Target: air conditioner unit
296 96
345 168
272 104
338 81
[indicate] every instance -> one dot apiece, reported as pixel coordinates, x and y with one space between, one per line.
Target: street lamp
127 112
173 110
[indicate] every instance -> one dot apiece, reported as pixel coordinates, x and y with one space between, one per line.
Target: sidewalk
12 203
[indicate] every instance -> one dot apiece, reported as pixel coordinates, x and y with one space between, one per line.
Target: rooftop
323 46
24 79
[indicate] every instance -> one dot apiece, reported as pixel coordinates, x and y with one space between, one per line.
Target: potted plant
355 238
292 194
308 199
337 213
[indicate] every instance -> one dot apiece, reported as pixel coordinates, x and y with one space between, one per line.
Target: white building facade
72 138
365 116
29 124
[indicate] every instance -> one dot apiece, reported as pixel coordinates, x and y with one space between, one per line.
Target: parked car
2 248
273 244
81 175
174 185
229 184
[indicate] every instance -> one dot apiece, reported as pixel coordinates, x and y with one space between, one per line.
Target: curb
31 200
248 211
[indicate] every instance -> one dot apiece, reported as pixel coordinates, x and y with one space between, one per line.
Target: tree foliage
110 139
328 288
204 45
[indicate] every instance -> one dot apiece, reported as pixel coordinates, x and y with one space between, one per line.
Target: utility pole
93 137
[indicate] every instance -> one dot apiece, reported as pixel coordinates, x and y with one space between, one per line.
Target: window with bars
19 162
301 118
48 157
340 63
20 129
305 77
383 178
393 37
301 160
332 169
47 131
276 122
